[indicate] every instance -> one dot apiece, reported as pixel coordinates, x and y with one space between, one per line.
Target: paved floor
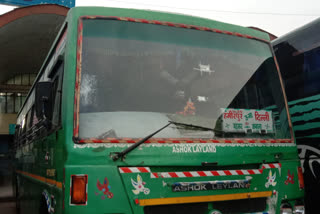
7 207
7 204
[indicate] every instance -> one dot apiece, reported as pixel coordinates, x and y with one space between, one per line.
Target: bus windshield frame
127 139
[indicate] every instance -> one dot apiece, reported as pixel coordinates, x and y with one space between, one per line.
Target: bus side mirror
16 128
43 100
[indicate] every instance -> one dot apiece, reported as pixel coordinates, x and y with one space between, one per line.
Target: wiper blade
192 126
116 155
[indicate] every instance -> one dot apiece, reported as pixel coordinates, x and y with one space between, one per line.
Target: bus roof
165 16
303 32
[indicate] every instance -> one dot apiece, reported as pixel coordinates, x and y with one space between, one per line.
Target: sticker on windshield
188 109
246 120
204 69
139 186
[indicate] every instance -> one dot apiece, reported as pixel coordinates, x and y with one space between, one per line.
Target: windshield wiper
192 126
116 155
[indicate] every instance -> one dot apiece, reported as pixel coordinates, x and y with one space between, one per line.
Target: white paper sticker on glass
247 120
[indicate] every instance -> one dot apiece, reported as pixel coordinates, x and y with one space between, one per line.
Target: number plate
210 185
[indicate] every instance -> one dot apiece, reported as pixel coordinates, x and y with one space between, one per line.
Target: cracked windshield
137 77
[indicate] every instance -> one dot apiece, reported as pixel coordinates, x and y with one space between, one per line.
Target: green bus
148 112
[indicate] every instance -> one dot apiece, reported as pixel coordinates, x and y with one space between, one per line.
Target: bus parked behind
298 54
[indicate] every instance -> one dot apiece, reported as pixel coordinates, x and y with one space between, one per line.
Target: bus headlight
299 209
286 209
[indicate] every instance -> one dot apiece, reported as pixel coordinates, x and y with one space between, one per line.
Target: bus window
57 94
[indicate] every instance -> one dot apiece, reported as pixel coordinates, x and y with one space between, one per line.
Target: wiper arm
192 126
116 155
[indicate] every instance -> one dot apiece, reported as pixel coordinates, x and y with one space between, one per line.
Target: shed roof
26 35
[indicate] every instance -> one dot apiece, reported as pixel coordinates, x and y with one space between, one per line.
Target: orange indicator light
79 189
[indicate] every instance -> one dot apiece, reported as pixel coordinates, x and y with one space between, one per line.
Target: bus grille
232 207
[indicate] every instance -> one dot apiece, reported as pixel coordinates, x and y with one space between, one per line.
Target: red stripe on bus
142 169
126 140
239 172
182 26
272 166
201 173
155 174
174 25
215 173
144 21
227 172
187 174
250 171
126 170
170 24
195 27
156 22
131 19
227 32
173 174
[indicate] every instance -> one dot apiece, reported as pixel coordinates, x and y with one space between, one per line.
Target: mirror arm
44 99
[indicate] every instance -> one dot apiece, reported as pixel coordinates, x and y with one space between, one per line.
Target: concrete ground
8 207
7 204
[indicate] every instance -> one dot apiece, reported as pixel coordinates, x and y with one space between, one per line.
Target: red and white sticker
198 173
